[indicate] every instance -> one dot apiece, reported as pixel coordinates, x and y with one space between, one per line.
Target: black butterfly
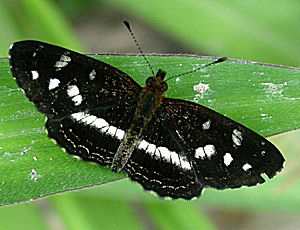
170 146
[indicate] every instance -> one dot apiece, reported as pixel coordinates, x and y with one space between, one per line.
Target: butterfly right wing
89 104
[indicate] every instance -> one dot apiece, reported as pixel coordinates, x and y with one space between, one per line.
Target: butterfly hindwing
158 166
162 177
84 140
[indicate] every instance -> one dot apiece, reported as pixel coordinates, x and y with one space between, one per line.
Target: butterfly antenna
138 46
202 67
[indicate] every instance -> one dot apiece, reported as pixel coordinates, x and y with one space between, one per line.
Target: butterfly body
149 101
173 147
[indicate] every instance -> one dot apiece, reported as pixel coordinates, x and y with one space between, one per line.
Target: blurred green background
263 31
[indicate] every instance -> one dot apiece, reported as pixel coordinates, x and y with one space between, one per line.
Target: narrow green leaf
8 29
264 98
34 19
78 212
178 216
26 216
254 29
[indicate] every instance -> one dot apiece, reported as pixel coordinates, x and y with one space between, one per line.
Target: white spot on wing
246 167
100 123
185 164
78 116
163 152
89 119
175 158
237 137
77 99
200 153
206 125
63 61
238 133
151 148
73 92
158 153
120 134
209 150
172 157
92 75
53 83
112 131
143 145
227 159
205 152
104 129
35 74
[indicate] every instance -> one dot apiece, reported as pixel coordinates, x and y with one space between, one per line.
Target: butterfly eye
150 81
163 86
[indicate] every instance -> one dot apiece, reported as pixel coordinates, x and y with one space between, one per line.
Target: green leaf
177 215
34 19
24 216
264 98
79 212
253 29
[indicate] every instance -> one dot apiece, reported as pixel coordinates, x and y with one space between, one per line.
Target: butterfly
173 147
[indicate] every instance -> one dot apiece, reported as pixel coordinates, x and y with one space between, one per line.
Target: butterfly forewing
61 82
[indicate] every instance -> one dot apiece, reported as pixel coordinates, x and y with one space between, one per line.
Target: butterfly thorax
150 99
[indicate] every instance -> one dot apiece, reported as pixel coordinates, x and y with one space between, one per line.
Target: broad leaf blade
264 98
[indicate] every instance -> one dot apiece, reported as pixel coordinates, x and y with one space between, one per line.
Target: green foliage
34 19
249 93
265 31
263 98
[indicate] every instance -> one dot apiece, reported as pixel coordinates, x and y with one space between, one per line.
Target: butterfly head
158 81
